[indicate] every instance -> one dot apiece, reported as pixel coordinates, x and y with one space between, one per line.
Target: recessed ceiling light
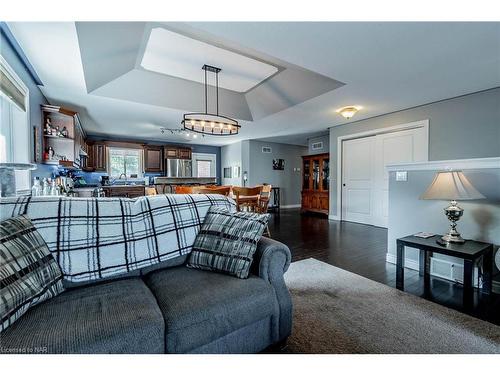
349 111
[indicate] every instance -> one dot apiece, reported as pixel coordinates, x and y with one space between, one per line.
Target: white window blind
15 138
204 165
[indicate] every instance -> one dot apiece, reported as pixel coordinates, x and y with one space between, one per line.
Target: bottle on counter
54 190
45 187
36 190
69 191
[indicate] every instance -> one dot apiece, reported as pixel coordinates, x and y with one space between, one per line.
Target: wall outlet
401 176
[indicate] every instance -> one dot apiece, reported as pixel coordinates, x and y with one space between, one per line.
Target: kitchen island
126 191
166 185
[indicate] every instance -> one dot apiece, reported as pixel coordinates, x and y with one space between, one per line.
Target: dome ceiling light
210 123
349 111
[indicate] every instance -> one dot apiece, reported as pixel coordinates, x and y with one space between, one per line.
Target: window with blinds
11 90
15 138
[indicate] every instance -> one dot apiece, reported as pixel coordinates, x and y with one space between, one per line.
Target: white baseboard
409 263
334 217
290 206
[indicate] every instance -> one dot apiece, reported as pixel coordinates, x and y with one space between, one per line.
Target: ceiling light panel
177 55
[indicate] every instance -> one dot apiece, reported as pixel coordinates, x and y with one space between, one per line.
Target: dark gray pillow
29 273
227 241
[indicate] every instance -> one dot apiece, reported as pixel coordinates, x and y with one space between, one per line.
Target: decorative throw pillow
227 241
29 273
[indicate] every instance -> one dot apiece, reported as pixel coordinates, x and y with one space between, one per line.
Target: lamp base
456 238
453 213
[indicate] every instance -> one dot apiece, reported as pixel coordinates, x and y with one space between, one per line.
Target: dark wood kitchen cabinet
184 153
97 157
153 158
125 191
177 152
100 157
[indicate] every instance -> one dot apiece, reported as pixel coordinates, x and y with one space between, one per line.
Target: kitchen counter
127 191
164 185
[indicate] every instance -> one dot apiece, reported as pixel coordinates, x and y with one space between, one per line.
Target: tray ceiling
180 56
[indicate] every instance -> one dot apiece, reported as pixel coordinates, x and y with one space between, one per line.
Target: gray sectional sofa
163 308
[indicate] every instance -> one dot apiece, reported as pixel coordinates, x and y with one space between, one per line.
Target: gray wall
459 128
326 144
408 214
230 158
260 168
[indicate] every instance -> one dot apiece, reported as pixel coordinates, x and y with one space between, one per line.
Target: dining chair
264 198
182 189
222 190
150 190
247 198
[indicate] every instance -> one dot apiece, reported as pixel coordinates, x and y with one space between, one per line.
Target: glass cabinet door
325 178
306 174
316 174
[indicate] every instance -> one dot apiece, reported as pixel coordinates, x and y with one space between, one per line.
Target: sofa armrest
271 261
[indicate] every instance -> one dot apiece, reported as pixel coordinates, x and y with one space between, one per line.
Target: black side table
275 207
470 252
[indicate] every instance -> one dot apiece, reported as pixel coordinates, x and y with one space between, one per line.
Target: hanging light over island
210 123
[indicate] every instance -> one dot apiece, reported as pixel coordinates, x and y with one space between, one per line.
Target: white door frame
391 129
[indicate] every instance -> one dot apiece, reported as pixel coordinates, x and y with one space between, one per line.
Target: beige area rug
336 311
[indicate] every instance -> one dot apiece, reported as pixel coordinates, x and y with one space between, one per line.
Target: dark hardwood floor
361 249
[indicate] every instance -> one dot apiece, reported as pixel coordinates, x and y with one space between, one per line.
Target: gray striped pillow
29 273
227 241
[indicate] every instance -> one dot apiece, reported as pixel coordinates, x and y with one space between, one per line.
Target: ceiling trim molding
476 163
5 31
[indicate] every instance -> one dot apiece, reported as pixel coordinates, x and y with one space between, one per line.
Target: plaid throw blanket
94 238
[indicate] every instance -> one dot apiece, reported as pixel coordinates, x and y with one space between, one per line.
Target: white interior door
358 180
404 146
365 181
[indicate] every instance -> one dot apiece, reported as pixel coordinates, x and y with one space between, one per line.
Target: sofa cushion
201 306
121 316
227 241
29 274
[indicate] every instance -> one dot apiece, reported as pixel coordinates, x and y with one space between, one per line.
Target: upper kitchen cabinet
97 157
63 137
177 152
153 158
184 153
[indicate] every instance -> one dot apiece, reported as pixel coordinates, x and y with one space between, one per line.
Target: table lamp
453 186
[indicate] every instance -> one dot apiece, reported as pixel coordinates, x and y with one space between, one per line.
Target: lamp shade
451 186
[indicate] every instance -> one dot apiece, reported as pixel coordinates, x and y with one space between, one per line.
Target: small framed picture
227 172
278 164
236 171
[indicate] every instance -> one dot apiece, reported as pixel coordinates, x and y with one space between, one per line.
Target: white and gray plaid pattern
94 238
227 241
28 272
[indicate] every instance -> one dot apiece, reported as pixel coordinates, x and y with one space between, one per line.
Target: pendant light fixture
210 123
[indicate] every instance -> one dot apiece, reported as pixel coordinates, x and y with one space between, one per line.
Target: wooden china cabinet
316 183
